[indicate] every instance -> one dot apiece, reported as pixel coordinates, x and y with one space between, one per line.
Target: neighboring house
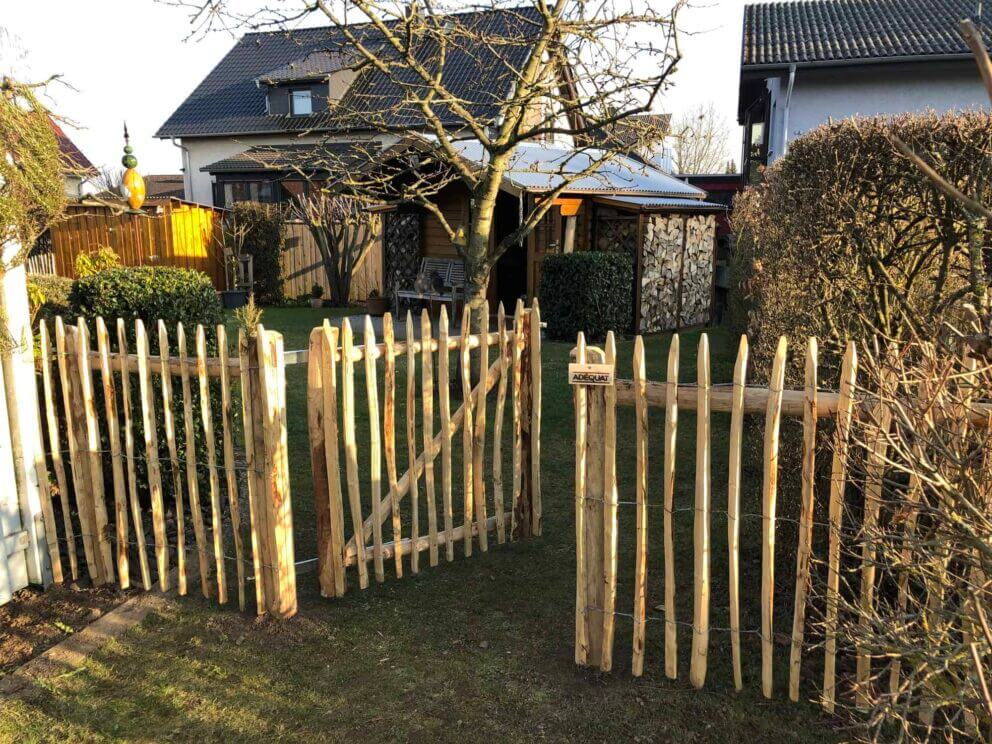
268 119
77 168
806 62
648 136
165 186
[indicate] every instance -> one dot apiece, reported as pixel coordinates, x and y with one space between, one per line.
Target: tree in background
564 70
700 136
344 230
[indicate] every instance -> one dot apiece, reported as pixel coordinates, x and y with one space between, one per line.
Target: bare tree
561 72
701 136
108 181
344 230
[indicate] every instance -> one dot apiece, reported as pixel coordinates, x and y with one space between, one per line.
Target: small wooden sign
590 374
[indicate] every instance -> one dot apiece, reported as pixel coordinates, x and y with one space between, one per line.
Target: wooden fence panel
83 496
176 234
596 502
302 266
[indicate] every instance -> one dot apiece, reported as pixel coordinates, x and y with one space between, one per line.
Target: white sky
128 59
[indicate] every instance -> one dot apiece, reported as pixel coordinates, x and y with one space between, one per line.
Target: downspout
187 178
788 104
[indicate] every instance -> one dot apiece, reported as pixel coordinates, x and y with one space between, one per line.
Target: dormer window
300 102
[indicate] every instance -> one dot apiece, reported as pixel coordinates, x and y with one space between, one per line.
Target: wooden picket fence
333 356
597 501
92 416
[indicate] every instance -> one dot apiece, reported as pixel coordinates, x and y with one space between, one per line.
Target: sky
134 60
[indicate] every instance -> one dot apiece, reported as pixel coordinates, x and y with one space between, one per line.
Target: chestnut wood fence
598 527
105 444
344 543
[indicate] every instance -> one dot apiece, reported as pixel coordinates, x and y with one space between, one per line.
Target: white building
804 63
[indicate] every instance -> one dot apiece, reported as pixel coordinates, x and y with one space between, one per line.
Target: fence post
267 390
527 505
590 493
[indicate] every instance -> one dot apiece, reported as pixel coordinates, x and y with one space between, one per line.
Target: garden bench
439 280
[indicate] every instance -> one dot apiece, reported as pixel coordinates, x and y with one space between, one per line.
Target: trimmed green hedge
150 293
589 291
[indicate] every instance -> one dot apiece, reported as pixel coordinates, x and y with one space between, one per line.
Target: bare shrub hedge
845 238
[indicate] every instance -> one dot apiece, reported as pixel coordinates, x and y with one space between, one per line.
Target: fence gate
343 541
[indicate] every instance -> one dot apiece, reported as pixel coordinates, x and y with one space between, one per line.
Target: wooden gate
516 368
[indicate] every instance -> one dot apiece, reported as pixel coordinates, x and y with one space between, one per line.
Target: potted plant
316 296
237 263
376 305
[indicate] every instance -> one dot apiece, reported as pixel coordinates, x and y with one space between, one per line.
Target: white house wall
202 151
841 92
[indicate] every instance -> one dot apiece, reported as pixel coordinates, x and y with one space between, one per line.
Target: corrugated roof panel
538 167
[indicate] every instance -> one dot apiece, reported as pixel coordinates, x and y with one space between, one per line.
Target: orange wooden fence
175 233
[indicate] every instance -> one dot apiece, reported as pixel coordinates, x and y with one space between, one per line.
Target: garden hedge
589 291
150 293
48 295
845 238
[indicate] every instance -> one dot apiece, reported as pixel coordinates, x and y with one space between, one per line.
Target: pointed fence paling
597 524
119 437
350 522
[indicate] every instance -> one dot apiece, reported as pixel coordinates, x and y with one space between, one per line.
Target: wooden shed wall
453 202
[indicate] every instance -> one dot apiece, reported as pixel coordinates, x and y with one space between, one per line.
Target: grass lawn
480 649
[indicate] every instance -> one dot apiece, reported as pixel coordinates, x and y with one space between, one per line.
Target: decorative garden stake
132 185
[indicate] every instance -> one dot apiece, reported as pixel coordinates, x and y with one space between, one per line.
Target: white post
24 514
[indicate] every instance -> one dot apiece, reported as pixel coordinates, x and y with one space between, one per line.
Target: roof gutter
788 105
963 57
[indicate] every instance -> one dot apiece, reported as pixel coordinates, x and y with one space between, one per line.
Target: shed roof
538 167
659 204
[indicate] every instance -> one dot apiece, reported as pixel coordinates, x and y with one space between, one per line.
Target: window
300 102
230 192
756 141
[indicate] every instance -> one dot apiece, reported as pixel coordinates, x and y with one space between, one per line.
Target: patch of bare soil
35 620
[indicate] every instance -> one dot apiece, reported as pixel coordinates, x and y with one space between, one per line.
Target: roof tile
811 31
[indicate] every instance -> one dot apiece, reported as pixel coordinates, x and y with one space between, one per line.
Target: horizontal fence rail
163 452
350 526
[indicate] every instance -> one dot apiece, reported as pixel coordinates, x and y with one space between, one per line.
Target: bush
95 261
48 295
261 230
847 239
150 293
590 291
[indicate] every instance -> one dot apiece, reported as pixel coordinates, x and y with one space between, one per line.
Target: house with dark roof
76 167
808 61
283 110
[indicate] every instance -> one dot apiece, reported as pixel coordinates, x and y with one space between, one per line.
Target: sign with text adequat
590 374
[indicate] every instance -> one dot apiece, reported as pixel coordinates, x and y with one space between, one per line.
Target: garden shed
664 224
